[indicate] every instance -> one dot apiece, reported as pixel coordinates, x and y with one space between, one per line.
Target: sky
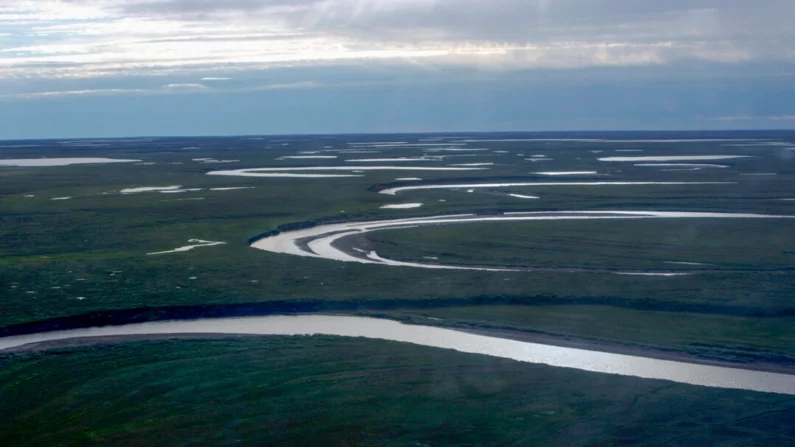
116 68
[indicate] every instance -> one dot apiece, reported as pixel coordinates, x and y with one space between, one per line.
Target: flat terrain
84 258
336 391
685 245
742 340
93 246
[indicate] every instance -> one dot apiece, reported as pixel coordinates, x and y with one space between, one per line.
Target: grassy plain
719 244
87 254
737 339
334 391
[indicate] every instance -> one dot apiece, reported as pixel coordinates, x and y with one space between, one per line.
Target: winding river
396 190
333 241
602 362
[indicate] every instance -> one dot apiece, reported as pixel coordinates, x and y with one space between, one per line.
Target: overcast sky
81 68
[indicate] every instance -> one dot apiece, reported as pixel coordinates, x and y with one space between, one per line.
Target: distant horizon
127 68
459 132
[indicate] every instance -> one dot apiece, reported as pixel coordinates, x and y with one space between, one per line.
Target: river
595 361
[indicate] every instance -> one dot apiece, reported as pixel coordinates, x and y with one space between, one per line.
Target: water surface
706 375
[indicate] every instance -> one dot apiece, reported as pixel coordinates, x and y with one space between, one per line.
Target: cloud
185 87
168 89
65 93
204 7
103 38
210 78
292 85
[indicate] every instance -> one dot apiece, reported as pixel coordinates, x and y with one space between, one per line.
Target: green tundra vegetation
88 255
340 391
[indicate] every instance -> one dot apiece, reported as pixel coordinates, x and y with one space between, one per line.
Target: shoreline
351 243
623 349
528 337
348 244
117 317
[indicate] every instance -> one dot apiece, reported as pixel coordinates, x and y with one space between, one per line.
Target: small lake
706 375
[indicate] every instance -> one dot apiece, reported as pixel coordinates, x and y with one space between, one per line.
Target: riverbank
331 390
625 349
522 336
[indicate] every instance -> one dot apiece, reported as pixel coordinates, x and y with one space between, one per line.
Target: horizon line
456 132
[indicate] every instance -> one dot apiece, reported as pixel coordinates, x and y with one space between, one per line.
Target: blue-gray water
696 374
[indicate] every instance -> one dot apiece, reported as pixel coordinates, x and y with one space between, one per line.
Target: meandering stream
602 362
